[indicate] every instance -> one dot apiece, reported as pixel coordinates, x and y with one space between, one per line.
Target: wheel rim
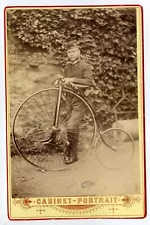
115 148
33 123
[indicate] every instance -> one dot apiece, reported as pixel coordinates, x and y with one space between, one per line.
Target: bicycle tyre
32 123
115 148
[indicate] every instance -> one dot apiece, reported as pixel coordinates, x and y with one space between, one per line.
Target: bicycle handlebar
61 81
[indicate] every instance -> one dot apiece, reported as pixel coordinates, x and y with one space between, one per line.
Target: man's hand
65 80
59 76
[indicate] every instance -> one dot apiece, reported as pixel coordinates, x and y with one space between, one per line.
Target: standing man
77 72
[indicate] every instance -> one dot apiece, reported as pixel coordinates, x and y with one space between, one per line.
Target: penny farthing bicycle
40 131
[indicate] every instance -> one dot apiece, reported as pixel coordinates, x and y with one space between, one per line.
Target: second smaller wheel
115 148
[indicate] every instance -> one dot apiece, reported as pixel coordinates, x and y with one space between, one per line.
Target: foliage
108 42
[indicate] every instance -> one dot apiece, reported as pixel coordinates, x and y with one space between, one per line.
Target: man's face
73 54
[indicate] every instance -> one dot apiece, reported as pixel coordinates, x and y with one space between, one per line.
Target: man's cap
72 45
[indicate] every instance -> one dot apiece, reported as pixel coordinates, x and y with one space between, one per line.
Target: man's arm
87 74
83 81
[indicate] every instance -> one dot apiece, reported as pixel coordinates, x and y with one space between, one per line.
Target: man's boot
71 150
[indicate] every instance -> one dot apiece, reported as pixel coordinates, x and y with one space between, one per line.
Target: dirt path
88 177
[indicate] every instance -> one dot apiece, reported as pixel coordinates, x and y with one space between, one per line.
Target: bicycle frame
57 110
56 117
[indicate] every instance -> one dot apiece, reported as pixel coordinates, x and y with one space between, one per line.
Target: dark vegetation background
108 42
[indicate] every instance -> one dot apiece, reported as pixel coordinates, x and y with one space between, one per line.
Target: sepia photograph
74 104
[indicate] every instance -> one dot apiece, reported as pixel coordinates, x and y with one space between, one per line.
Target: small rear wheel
115 148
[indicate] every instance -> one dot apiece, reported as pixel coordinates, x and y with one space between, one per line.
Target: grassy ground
88 177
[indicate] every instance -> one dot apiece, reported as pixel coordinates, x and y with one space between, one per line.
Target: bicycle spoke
35 111
74 121
65 119
45 107
40 107
38 133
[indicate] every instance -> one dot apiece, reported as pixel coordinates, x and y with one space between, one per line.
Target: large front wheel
33 126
